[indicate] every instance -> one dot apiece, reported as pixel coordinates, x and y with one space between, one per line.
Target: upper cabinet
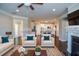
73 14
73 18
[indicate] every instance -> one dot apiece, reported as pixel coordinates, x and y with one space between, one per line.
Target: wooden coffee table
30 53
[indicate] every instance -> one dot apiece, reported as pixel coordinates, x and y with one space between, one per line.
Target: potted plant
38 50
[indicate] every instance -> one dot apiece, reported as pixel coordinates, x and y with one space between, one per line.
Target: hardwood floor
38 42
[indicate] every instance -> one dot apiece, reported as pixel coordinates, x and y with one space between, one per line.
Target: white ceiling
41 11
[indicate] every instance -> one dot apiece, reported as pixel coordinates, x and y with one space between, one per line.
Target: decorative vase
22 51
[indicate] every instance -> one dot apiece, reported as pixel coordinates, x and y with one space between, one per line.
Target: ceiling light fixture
17 10
27 4
53 9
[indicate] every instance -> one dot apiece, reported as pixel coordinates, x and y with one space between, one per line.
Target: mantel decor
8 33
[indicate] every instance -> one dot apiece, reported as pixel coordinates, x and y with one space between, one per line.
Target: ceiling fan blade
31 7
21 5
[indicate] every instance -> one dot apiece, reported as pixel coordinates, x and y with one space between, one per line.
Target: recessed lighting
53 9
17 10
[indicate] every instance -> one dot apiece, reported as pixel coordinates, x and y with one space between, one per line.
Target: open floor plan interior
39 29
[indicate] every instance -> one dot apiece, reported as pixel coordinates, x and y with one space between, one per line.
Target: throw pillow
29 37
46 37
5 39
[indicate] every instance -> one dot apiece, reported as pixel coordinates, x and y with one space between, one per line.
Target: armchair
29 40
47 40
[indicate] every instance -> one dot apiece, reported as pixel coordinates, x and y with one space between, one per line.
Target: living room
30 28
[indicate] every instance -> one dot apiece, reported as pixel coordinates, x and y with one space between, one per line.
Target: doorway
18 26
43 27
18 29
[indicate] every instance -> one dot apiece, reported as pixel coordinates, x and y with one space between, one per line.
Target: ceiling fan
29 5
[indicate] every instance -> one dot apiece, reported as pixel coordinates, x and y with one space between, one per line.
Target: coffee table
30 53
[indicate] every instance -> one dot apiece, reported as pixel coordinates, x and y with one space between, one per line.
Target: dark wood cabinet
57 43
61 45
73 18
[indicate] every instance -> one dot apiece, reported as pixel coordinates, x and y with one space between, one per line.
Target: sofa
5 47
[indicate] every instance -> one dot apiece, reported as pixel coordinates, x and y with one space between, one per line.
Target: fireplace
75 46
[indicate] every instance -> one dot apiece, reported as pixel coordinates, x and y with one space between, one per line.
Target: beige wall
5 24
63 27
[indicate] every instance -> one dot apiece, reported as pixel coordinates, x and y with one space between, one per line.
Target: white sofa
29 43
5 47
47 43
